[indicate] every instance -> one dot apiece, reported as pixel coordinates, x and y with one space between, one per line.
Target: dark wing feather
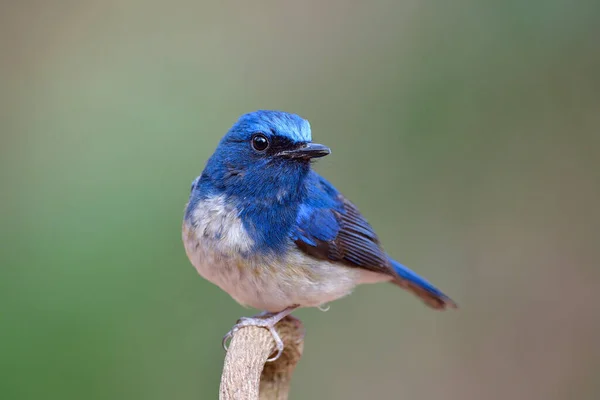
356 242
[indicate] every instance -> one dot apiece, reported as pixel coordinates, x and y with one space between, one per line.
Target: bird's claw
267 323
278 344
266 320
227 336
235 328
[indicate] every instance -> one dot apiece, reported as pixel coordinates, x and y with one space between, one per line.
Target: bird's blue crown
281 123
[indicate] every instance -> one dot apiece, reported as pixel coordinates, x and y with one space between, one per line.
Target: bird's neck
268 204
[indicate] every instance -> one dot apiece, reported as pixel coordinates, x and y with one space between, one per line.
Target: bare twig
245 374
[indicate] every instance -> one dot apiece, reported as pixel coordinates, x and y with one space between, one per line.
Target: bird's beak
307 151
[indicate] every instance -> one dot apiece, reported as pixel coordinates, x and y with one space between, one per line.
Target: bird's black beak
307 151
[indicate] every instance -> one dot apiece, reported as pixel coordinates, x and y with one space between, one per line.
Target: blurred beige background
468 133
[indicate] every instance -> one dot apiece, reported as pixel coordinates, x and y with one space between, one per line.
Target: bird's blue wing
337 232
329 227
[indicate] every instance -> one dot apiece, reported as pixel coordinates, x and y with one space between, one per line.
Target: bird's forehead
281 123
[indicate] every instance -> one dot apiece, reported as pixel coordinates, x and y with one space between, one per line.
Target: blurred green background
468 133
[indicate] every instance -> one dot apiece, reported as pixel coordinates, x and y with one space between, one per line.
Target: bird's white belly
268 283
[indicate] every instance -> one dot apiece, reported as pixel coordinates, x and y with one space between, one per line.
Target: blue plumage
270 231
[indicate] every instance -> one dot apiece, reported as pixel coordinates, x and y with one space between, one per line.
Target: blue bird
275 235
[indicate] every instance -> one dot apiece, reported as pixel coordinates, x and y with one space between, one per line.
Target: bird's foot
264 320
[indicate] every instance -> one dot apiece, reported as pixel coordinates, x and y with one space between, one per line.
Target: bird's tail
431 295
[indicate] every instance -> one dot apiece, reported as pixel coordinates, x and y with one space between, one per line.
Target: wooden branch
247 375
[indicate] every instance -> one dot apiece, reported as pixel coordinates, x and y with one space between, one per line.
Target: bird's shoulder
330 227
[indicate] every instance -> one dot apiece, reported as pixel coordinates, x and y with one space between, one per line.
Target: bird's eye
260 142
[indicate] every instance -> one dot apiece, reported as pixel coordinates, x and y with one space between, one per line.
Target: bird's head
265 154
